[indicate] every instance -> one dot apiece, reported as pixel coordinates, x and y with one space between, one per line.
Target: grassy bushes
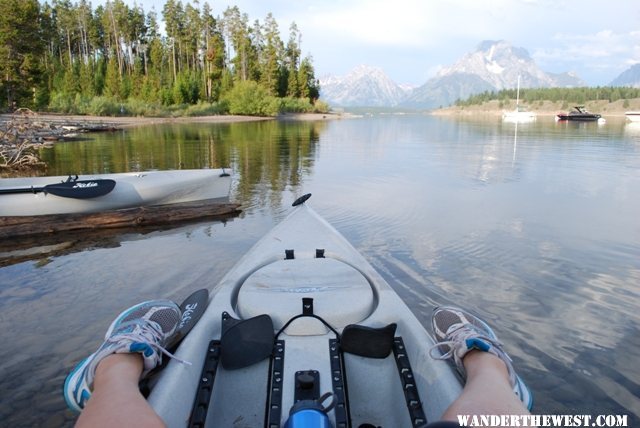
249 98
246 98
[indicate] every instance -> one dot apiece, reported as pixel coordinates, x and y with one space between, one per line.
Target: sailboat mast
518 93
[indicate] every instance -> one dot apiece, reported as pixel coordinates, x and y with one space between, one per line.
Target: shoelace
458 334
148 332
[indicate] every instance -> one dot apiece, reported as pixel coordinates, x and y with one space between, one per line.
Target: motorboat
579 113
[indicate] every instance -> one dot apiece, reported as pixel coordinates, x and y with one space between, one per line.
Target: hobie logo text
186 315
84 185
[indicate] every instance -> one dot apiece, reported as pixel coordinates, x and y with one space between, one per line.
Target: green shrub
321 107
251 99
295 105
61 102
166 96
176 110
138 107
81 104
205 109
104 106
42 98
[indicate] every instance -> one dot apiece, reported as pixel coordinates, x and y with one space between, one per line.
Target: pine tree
237 32
272 54
113 80
309 85
172 13
20 48
292 59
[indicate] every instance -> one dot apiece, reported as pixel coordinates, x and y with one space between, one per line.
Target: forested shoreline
567 96
70 57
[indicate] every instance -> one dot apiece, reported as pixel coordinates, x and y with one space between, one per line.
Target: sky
411 40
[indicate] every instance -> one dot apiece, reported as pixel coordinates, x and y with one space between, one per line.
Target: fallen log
156 215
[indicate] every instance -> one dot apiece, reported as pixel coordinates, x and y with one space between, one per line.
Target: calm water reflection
541 237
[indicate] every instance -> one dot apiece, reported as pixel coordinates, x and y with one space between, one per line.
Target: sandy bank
126 121
541 108
313 116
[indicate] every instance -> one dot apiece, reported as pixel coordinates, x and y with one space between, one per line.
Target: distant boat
579 113
520 114
633 116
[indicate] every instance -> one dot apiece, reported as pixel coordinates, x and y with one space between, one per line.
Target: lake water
540 235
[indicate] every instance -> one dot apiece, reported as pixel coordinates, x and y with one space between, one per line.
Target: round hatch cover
341 294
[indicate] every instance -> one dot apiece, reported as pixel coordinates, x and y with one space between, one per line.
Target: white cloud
376 22
410 23
604 49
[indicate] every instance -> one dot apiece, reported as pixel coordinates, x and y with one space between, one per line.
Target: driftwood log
24 132
18 227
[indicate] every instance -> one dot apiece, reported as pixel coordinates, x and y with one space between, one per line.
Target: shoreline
23 132
541 108
132 121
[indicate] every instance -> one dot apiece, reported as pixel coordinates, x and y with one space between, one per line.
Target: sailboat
520 114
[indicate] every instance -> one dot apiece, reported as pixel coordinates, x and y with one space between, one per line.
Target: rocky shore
24 132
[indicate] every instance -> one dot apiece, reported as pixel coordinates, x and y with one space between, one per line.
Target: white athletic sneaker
458 332
144 328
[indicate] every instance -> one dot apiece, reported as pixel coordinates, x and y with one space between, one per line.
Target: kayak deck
305 258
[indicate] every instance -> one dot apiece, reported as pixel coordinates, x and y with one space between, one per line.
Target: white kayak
250 363
34 196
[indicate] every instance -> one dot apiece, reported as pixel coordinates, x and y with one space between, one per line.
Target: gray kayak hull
132 189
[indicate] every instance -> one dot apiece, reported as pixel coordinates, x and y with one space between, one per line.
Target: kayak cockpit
281 284
306 370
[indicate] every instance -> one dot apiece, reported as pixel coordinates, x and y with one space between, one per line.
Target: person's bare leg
116 400
487 390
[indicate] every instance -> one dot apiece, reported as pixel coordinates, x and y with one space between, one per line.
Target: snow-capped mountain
363 86
494 65
629 77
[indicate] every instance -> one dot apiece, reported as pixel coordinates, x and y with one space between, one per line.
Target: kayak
33 196
303 327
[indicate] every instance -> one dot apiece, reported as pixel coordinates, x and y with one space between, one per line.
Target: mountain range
493 66
630 77
363 86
